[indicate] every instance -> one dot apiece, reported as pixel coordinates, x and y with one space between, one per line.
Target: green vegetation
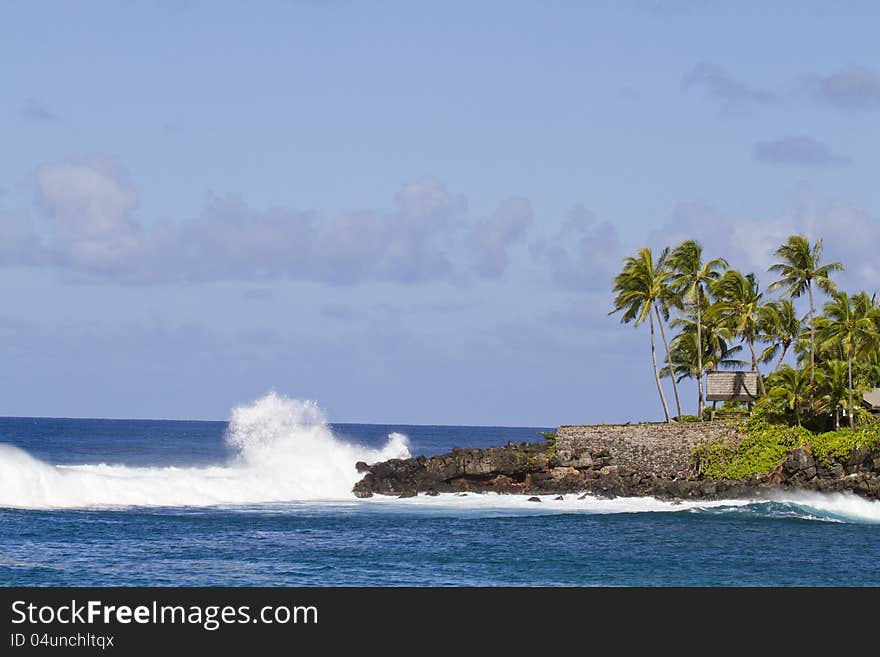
769 439
838 445
550 437
764 448
723 319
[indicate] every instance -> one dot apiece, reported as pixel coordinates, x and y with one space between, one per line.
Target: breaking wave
284 450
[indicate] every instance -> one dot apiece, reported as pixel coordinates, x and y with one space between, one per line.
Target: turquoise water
265 502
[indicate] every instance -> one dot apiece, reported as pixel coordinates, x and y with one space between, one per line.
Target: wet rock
798 460
534 499
504 484
708 488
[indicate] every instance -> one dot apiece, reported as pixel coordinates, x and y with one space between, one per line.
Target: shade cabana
871 400
739 386
736 386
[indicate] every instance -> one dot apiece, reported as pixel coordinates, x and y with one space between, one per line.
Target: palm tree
781 328
716 352
740 308
792 387
799 269
640 288
717 338
850 324
831 388
690 277
869 358
666 299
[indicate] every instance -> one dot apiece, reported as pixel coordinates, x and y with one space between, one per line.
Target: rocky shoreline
537 469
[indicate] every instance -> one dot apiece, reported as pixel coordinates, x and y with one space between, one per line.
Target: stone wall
664 449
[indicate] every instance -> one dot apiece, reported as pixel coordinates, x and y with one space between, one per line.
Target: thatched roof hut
871 398
739 386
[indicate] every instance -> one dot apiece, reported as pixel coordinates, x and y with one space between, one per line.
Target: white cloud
90 226
584 253
489 239
849 233
89 209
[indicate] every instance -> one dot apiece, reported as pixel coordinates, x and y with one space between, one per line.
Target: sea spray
283 451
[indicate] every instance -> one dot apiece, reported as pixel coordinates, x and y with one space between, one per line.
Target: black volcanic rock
534 469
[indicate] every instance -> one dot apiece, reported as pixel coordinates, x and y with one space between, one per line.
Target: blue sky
409 212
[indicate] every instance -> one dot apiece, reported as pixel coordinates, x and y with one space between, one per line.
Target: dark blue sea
264 500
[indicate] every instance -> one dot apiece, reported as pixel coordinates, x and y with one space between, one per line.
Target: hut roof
741 386
872 399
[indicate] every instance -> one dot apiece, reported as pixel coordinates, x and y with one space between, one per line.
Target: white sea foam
284 451
835 507
500 505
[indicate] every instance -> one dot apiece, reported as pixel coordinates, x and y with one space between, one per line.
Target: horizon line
331 423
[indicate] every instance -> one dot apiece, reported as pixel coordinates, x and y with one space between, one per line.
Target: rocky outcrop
536 469
858 473
501 469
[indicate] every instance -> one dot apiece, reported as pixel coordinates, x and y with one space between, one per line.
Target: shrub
764 448
550 437
838 445
769 441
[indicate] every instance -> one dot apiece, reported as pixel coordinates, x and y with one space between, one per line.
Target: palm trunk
755 367
656 373
837 416
669 361
852 415
699 356
781 356
812 334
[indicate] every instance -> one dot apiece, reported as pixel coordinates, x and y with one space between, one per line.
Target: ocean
264 500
